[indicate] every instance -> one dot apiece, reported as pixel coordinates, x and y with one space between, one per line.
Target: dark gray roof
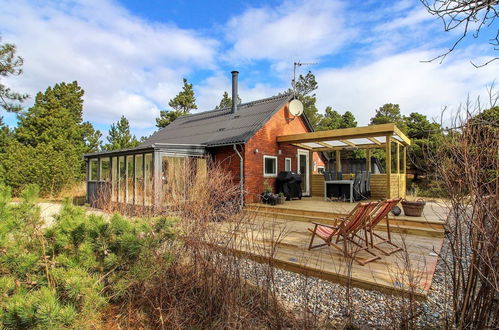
221 126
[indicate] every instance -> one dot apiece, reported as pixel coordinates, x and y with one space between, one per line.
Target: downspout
241 175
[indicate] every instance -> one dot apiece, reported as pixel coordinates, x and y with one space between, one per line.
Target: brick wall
227 158
265 141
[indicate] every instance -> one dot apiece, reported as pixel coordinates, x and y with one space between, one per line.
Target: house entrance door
303 170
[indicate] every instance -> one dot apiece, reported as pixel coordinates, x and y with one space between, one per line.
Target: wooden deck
316 209
284 244
278 234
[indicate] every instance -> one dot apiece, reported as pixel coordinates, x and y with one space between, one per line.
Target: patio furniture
357 186
363 185
339 182
381 212
368 184
289 183
345 230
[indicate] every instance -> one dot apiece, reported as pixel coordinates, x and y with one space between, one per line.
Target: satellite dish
296 108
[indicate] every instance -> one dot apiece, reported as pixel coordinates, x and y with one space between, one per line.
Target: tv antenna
299 65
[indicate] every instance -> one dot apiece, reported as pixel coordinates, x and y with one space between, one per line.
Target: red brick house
242 139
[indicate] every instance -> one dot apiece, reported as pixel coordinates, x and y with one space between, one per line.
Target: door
304 171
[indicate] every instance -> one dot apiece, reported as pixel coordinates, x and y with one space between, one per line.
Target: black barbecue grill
289 183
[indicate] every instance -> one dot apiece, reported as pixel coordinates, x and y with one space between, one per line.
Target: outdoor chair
368 185
379 213
328 175
346 230
357 186
363 185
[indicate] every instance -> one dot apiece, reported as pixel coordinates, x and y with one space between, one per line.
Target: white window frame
287 161
273 175
319 168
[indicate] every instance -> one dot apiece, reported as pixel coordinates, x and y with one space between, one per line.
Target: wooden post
388 165
368 160
404 169
310 171
338 160
398 158
404 160
398 170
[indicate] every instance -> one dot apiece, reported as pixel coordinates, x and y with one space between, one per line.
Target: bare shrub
202 282
466 167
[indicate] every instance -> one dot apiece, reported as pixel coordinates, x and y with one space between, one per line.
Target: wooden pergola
367 137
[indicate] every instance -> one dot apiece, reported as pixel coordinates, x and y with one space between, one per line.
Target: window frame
270 175
101 177
91 178
286 160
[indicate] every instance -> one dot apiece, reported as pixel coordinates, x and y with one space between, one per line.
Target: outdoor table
339 182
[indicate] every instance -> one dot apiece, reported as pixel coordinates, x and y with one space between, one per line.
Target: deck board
255 239
433 212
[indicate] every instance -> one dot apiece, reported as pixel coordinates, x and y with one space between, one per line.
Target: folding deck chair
378 214
346 229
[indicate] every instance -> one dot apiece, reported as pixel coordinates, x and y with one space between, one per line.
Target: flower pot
281 199
413 209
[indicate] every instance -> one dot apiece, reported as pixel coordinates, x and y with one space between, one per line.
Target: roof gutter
241 175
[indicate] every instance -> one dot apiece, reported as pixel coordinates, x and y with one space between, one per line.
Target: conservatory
141 176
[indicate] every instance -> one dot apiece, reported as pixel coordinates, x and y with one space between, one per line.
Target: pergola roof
366 137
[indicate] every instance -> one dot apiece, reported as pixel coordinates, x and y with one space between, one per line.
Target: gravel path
371 309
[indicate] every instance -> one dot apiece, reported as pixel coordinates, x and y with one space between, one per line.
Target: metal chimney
234 91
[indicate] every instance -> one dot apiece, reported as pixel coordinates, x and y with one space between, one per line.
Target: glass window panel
175 172
139 180
93 171
114 178
394 157
336 143
104 169
129 179
148 176
270 165
287 164
313 145
122 178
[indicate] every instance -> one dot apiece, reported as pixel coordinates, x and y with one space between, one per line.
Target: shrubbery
64 274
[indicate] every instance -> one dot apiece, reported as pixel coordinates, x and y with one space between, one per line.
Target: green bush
65 274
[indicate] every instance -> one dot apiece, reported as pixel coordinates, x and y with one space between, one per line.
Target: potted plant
281 198
413 208
267 195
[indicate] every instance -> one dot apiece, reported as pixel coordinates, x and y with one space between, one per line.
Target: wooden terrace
279 235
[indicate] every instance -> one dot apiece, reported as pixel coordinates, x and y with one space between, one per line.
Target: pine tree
182 104
49 141
389 113
424 136
10 65
348 120
226 101
331 120
119 136
304 86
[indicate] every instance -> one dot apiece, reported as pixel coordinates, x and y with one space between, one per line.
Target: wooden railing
378 185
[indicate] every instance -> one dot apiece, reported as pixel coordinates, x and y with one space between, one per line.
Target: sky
130 56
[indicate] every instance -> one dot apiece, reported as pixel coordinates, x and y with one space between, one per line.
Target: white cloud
210 91
418 87
126 65
293 30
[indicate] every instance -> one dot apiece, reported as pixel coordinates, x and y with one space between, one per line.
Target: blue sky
131 56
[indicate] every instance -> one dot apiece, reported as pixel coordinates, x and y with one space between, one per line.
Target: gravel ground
371 309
